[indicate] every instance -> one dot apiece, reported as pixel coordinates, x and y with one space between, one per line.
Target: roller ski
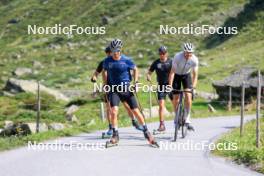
160 130
151 139
113 141
108 134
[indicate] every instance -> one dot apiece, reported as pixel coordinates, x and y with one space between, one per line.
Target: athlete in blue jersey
98 70
116 71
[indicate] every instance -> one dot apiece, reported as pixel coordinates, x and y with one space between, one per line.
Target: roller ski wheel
154 144
156 132
107 135
108 144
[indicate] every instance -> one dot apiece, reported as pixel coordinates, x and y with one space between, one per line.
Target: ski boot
113 141
150 139
108 134
160 130
136 125
189 127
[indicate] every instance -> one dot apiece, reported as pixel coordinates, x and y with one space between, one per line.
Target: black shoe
189 127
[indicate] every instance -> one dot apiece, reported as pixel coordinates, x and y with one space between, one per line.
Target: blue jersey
118 71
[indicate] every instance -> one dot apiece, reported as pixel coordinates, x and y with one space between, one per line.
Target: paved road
132 157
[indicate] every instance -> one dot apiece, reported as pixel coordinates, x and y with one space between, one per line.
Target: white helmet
116 44
188 47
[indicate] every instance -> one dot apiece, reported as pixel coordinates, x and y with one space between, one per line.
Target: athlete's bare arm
195 76
135 74
104 75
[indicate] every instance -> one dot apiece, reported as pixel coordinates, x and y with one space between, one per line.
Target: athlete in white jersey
183 66
184 72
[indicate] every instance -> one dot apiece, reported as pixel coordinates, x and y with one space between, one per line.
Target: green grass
247 153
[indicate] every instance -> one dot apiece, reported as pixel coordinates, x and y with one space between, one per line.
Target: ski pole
156 97
139 104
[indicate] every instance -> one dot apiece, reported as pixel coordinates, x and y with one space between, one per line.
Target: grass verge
247 153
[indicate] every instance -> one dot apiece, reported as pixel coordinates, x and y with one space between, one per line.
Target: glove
194 91
169 88
149 78
104 88
135 86
93 79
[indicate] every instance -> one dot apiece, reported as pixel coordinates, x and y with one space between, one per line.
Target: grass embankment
247 153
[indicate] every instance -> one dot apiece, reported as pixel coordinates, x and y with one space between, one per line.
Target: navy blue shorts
128 97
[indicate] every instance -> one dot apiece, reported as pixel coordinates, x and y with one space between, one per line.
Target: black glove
93 80
135 86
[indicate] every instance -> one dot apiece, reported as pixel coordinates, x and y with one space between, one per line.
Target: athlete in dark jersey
162 67
100 67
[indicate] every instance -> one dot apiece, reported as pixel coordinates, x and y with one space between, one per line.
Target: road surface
84 155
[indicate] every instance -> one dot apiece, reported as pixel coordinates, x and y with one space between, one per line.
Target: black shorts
163 95
184 80
128 97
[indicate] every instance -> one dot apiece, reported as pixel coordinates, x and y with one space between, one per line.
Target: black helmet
108 49
163 49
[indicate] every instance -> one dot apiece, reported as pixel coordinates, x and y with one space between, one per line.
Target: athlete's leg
132 116
188 106
139 116
187 84
161 97
108 112
109 119
176 100
129 111
176 86
114 102
131 101
114 113
161 109
171 97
